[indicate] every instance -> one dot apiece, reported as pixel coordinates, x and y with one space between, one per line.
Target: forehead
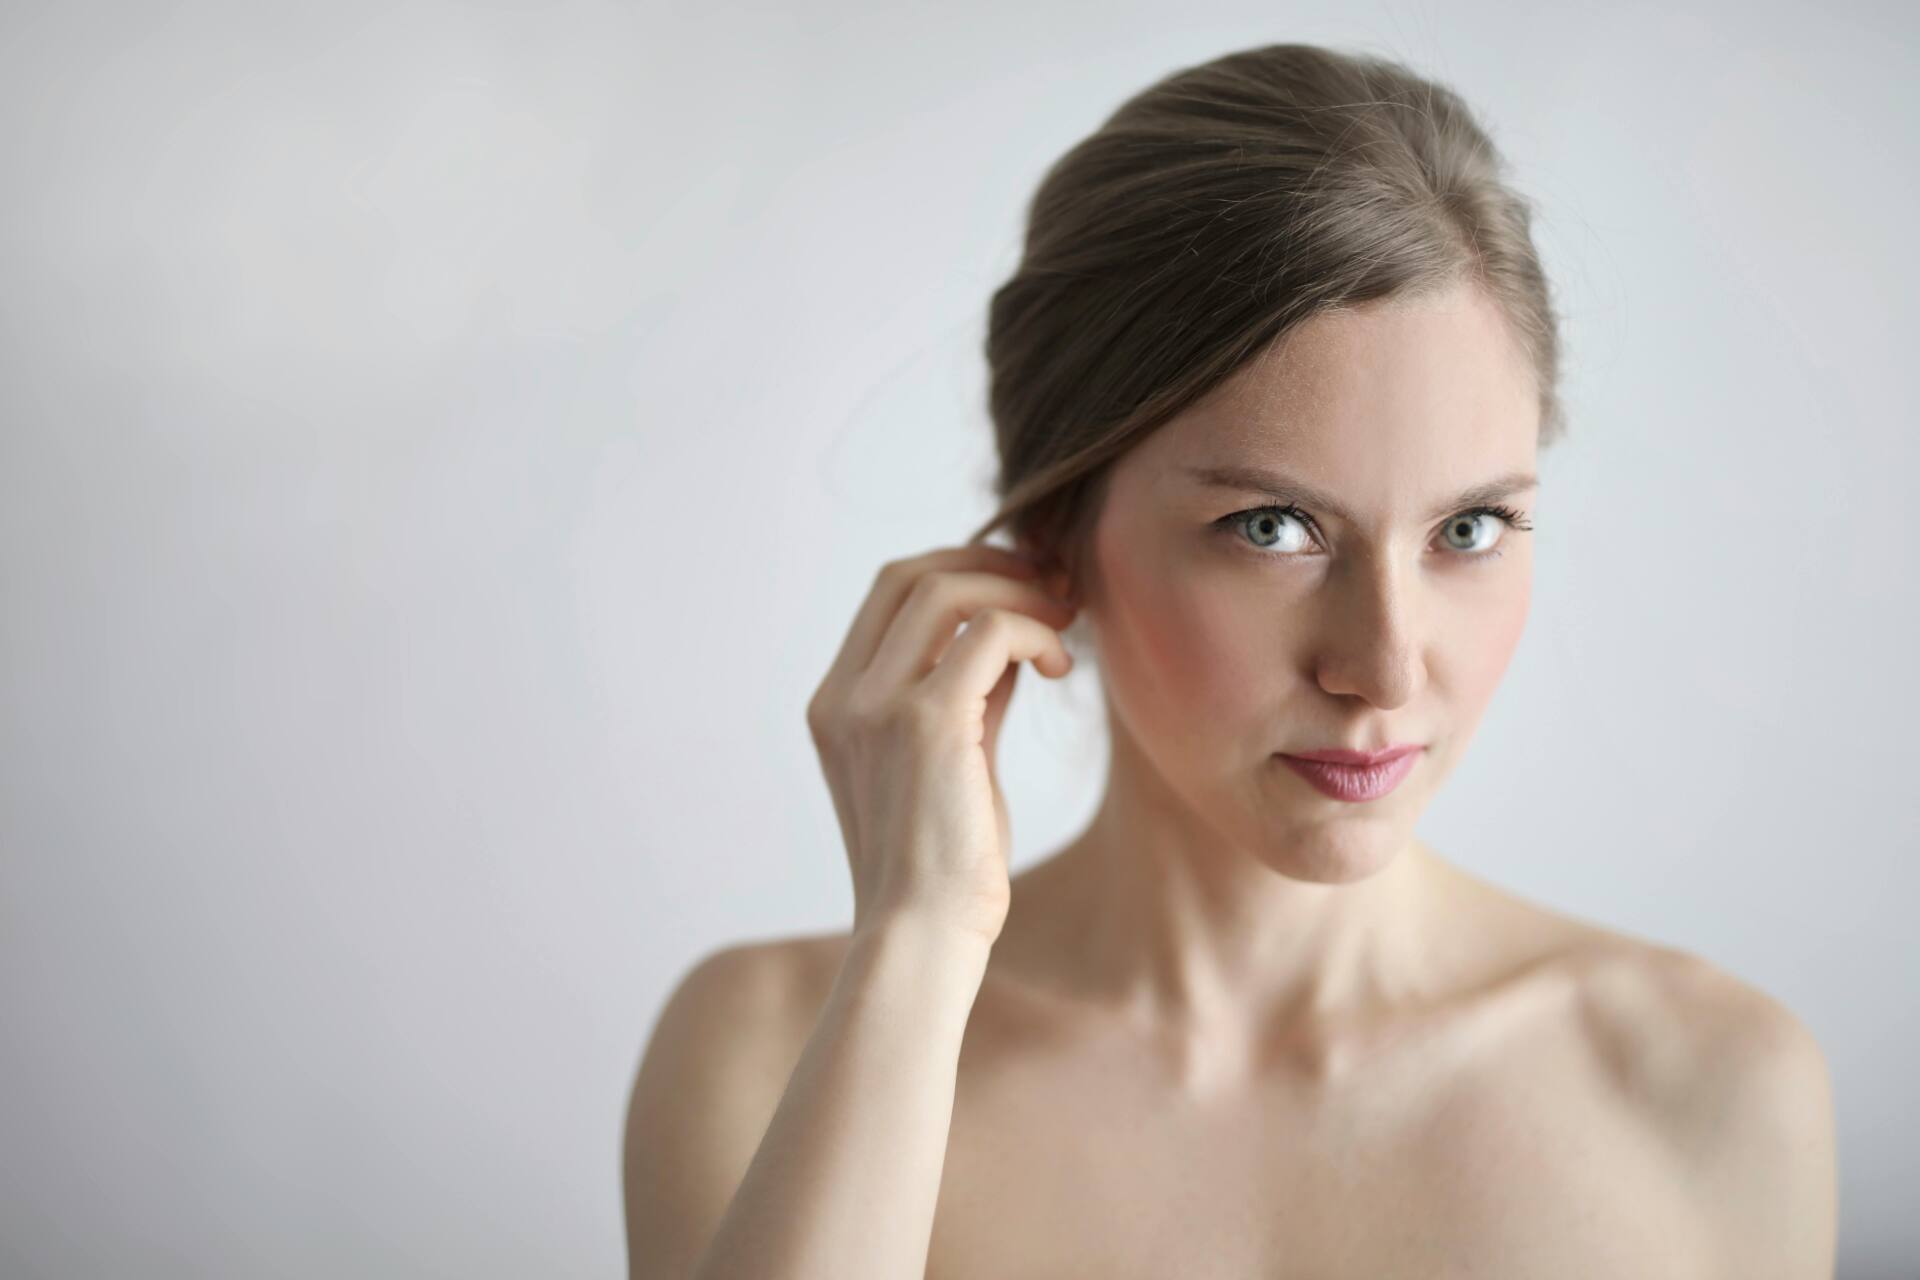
1430 391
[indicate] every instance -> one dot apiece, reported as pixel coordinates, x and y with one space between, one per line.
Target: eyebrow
1286 489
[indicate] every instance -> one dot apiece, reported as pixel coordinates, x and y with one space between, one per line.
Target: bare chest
1491 1146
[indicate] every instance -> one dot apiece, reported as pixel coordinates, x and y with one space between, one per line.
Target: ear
1056 575
1060 582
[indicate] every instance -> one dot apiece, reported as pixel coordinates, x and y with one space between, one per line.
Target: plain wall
441 448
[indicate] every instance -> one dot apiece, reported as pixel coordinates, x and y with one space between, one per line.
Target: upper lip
1341 755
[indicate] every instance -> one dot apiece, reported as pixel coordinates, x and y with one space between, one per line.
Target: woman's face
1383 610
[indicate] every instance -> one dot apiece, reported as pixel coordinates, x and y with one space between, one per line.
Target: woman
1269 387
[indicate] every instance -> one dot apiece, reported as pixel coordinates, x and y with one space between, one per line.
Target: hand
907 722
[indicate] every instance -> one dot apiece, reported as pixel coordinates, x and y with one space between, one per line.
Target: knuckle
864 710
929 588
995 623
817 718
898 569
824 701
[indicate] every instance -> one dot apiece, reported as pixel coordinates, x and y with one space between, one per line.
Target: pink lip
1355 782
1336 755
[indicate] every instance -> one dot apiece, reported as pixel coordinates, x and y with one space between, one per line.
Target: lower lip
1353 782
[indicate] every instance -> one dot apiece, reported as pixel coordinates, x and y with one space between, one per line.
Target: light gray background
444 444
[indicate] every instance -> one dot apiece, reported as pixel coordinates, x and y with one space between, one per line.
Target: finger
994 638
890 588
938 604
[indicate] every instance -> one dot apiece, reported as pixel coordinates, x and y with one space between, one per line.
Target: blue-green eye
1471 525
1286 526
1283 527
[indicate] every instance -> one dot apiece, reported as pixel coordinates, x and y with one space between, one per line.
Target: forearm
845 1181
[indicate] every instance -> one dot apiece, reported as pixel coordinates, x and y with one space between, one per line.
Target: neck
1208 930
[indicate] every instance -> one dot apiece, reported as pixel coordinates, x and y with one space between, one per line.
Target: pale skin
1238 1028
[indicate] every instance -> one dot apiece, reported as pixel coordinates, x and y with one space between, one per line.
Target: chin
1327 856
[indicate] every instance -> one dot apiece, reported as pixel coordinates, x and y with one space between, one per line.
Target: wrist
923 953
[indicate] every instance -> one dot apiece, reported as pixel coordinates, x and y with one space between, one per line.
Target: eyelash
1511 518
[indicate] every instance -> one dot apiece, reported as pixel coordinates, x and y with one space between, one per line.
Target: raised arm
845 1180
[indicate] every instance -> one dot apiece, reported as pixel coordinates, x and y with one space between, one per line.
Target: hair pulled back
1208 215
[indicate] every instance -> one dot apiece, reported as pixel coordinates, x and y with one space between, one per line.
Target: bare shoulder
1687 1039
744 997
1736 1088
716 1063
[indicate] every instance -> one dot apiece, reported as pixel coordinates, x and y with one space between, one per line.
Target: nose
1370 645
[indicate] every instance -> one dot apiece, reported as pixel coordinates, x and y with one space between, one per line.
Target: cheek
1188 645
1497 624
